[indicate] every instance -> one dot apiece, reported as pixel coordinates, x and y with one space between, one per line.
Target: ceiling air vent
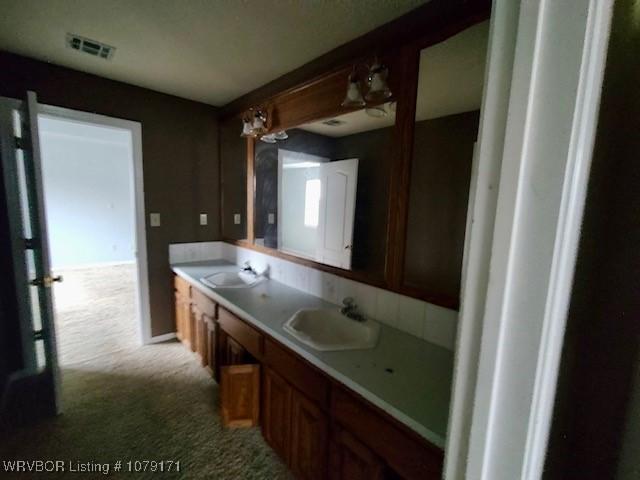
92 47
334 123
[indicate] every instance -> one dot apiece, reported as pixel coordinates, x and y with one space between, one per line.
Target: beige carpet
126 402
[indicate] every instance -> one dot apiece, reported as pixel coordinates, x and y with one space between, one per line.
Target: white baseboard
162 338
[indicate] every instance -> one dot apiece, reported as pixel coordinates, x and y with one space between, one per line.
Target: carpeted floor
125 402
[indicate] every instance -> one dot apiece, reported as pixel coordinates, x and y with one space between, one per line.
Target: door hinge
38 335
30 243
20 143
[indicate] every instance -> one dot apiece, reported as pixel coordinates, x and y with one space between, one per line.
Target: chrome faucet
249 269
350 310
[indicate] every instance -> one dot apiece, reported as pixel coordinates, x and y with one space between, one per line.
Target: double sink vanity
370 193
336 395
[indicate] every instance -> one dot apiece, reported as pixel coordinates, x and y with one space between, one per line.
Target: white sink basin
231 280
327 330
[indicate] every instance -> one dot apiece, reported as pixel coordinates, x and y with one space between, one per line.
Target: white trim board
553 97
142 285
483 197
161 338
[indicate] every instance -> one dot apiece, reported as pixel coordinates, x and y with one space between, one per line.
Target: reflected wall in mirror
450 88
322 193
233 155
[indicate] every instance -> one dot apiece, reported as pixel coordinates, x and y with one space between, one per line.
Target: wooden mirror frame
320 98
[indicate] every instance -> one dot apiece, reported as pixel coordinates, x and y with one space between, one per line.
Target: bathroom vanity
360 171
378 412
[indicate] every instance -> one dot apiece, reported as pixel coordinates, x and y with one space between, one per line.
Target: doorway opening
92 185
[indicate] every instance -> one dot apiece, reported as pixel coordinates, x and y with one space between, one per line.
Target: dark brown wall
594 420
180 156
233 158
440 176
373 150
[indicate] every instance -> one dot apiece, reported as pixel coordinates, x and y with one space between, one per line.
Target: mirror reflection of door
316 205
298 202
321 192
338 182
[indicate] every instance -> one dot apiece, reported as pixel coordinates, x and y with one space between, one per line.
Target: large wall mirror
450 85
321 190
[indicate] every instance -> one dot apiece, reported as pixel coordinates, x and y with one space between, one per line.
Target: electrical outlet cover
154 219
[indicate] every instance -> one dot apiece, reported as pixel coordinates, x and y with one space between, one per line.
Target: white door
34 390
337 210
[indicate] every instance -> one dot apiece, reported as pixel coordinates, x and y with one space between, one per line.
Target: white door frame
142 285
540 108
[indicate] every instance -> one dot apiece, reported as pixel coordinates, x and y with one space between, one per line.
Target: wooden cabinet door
178 315
309 439
276 412
200 329
235 354
183 318
203 349
240 395
211 348
193 328
351 460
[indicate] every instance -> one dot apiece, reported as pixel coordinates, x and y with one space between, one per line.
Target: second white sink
231 279
327 330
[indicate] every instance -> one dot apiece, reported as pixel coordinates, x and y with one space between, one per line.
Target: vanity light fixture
273 137
247 128
259 122
376 111
281 135
378 88
353 97
269 138
254 122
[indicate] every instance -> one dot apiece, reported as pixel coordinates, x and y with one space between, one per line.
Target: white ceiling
205 50
452 74
450 81
353 122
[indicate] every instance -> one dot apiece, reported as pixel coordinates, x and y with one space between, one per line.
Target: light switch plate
203 219
236 218
271 218
154 219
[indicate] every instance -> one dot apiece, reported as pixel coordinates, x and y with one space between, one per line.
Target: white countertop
405 376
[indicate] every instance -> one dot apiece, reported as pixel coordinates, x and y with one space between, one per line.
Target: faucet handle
348 301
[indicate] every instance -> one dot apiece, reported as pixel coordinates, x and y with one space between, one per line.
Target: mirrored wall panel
233 157
321 189
447 113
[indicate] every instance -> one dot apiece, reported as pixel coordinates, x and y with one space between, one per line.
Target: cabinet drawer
204 303
182 286
301 375
245 335
403 452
